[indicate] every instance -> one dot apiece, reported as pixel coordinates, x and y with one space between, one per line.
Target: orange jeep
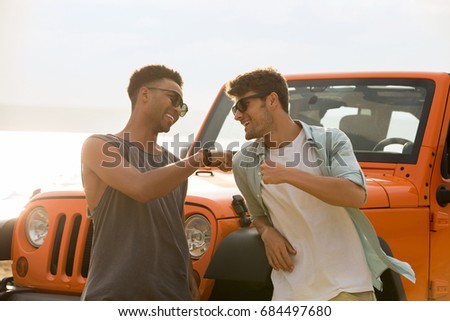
398 123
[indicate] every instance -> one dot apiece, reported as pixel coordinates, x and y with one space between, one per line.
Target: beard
261 126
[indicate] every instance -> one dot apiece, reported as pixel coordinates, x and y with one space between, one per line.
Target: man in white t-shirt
303 209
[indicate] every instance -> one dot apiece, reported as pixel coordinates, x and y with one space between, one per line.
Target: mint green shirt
337 159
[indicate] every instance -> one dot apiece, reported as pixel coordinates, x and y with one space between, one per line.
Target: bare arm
100 168
332 190
278 249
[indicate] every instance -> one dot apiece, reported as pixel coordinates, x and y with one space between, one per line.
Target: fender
240 257
6 234
240 268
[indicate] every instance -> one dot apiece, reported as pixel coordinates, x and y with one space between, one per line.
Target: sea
38 160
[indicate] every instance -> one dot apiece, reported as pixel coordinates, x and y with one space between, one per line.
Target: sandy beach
5 269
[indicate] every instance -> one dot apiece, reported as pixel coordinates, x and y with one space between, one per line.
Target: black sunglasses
176 100
241 104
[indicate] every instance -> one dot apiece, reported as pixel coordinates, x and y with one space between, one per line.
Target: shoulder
101 139
320 130
98 145
324 135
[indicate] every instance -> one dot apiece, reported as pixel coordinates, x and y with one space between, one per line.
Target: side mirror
240 208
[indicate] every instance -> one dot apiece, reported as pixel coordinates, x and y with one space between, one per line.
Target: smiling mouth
171 117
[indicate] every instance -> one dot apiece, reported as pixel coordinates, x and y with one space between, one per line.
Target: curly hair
261 80
148 74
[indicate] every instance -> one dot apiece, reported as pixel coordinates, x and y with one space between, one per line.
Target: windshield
384 118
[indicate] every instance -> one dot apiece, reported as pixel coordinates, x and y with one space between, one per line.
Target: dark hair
148 74
264 80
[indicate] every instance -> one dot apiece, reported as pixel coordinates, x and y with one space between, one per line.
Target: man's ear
144 92
273 100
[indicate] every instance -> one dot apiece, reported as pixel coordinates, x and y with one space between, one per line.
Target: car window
385 119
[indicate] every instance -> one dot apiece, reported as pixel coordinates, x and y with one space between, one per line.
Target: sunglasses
242 105
175 98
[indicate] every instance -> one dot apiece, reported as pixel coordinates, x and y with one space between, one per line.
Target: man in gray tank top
135 190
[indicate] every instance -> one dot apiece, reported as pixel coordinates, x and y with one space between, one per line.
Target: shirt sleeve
342 162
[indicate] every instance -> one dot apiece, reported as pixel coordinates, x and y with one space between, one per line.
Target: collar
261 148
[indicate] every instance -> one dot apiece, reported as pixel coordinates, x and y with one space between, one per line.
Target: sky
80 54
69 62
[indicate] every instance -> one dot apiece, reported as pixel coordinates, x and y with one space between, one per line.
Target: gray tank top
139 251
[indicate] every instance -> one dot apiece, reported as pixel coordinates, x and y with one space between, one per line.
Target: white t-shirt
330 257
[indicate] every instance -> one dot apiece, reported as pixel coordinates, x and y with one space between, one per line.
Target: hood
212 184
213 189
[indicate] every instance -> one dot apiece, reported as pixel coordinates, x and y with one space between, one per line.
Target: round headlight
198 235
37 226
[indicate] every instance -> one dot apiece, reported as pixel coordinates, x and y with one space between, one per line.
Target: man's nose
237 115
178 109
